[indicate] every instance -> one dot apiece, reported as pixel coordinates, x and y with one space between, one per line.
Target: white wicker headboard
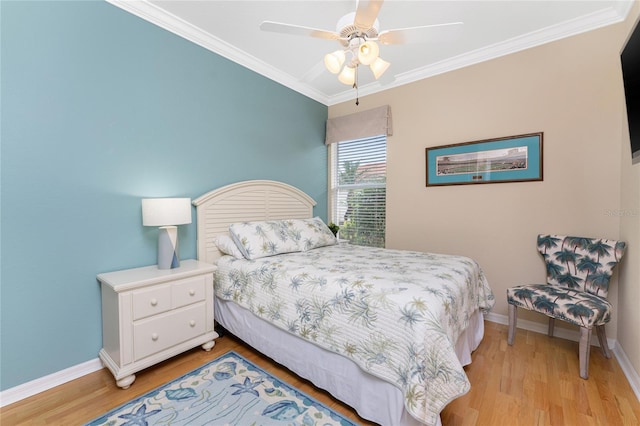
244 202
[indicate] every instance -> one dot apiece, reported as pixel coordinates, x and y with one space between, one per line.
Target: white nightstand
149 315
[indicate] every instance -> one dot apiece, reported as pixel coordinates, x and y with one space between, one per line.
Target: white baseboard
632 375
42 384
560 332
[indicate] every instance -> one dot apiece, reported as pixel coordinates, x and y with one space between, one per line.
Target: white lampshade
378 67
333 61
368 52
348 75
166 211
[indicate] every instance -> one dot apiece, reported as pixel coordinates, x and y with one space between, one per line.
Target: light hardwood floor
534 382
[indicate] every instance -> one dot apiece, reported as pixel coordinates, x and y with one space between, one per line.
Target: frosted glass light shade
348 75
368 52
166 211
333 61
378 67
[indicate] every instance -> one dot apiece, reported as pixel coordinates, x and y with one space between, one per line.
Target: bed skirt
373 398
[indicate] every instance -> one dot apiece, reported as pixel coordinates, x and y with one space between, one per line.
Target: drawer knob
192 323
192 292
154 336
154 301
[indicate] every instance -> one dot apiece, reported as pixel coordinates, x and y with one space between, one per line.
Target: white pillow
226 245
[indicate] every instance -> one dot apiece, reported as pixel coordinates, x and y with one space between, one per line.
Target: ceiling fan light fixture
368 52
348 75
334 61
378 67
356 32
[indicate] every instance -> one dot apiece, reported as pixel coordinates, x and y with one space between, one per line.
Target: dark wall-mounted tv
631 77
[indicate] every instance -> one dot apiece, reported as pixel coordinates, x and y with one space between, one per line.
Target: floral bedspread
396 313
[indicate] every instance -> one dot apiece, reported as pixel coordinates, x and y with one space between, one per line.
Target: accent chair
578 273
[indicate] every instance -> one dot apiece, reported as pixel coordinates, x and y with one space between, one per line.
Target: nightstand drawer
188 291
159 333
151 301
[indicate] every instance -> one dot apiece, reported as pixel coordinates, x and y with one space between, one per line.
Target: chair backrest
579 263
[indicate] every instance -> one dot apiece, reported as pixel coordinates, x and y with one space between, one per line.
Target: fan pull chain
355 86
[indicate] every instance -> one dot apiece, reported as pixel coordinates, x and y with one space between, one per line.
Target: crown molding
566 29
168 21
156 15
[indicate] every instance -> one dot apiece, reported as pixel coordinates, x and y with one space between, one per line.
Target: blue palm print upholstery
578 273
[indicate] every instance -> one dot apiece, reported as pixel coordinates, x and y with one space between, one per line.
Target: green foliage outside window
364 220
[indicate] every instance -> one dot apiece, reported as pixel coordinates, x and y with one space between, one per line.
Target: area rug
227 391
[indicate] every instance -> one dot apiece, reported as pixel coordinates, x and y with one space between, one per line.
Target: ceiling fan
358 32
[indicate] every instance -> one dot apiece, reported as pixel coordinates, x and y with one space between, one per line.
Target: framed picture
509 159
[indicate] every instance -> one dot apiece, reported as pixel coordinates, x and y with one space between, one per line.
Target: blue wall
100 109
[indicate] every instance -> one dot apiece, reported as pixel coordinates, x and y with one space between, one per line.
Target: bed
364 331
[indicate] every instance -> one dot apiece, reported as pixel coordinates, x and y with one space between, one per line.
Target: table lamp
167 213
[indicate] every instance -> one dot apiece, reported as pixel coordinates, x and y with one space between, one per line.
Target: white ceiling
491 29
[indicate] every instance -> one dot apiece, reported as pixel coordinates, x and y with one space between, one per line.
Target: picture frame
499 160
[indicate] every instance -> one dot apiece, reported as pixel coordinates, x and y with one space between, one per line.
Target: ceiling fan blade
424 34
367 13
278 27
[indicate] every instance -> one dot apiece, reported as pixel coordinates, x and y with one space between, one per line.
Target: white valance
360 125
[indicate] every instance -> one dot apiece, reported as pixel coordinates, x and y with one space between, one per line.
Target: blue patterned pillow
265 238
314 233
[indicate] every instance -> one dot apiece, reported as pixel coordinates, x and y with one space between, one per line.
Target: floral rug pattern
227 391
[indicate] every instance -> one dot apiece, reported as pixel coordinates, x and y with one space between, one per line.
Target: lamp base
168 247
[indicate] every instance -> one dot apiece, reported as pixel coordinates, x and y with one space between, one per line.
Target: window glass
358 189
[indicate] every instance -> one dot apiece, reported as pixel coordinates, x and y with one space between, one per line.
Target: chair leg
602 338
513 319
585 346
552 323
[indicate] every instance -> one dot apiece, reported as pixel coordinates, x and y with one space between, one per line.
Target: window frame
334 187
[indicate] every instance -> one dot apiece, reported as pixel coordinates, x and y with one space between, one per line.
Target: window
357 170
